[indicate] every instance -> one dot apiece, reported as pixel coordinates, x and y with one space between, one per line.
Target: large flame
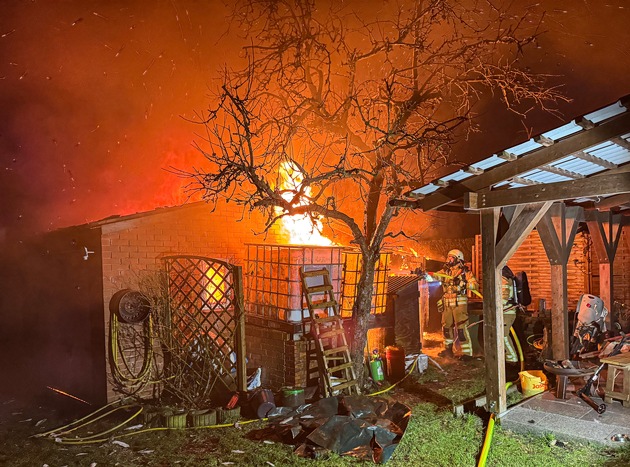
299 229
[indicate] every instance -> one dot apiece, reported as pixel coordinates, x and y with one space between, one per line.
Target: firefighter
510 305
457 280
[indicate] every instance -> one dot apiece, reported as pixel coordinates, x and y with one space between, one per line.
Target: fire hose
60 434
122 370
487 442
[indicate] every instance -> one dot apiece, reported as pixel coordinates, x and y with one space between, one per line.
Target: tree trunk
361 316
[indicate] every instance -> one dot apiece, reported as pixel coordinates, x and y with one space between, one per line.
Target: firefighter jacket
456 282
507 294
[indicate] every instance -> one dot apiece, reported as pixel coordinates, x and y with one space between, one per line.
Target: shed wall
132 247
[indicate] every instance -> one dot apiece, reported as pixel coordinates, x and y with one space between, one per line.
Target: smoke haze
94 96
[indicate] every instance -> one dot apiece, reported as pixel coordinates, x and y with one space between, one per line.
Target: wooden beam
600 185
606 204
621 142
492 315
595 160
562 172
512 212
605 230
545 155
549 239
241 357
519 229
557 230
572 215
525 181
559 312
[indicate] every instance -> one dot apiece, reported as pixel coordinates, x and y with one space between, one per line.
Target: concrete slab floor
570 419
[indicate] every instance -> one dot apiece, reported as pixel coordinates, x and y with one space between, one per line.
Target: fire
299 229
215 292
64 393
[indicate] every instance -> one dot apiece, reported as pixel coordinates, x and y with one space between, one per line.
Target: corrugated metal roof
399 282
594 158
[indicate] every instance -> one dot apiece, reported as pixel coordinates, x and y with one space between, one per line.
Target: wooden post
559 312
605 229
492 314
495 253
557 229
239 335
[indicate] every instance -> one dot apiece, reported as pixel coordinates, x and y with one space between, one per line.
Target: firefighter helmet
457 254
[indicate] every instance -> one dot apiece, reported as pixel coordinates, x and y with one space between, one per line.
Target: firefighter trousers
508 320
455 328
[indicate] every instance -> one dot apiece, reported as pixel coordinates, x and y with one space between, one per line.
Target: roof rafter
601 185
559 171
571 145
594 159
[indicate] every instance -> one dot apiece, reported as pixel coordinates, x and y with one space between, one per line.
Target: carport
578 172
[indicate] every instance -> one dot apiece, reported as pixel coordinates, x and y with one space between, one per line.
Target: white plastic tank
591 309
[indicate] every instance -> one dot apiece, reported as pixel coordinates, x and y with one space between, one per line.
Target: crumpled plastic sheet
368 428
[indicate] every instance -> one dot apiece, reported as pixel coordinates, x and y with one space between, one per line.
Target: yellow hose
487 441
518 346
58 433
398 382
490 430
91 440
76 422
131 382
120 425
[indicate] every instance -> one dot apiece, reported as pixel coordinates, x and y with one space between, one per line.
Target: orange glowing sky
93 94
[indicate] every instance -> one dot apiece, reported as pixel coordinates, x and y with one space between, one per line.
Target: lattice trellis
206 336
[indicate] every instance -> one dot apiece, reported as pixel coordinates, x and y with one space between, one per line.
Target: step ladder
326 328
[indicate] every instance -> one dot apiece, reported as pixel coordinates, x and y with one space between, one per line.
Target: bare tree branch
362 105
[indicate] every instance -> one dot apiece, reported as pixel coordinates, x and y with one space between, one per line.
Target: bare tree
362 105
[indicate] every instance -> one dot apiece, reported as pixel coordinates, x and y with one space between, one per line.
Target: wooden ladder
333 355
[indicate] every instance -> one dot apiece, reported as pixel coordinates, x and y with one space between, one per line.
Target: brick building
60 285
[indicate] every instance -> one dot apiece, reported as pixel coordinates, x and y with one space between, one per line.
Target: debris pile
368 428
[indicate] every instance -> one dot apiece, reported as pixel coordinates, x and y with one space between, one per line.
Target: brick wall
532 258
621 270
281 354
133 246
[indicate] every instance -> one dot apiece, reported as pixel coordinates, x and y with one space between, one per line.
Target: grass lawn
434 436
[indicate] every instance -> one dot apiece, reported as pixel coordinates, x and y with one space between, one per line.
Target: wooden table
618 364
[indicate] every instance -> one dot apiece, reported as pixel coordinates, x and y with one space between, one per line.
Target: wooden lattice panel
205 321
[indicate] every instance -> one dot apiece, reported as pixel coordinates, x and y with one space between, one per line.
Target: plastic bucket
292 397
532 382
395 357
